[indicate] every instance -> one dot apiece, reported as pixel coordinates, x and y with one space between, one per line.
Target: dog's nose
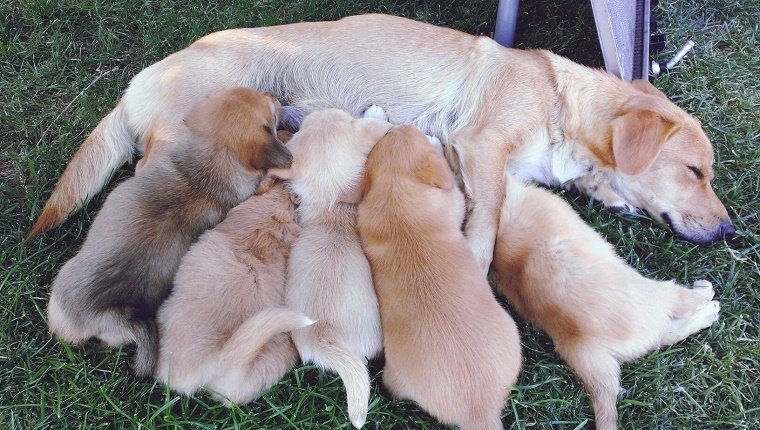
726 229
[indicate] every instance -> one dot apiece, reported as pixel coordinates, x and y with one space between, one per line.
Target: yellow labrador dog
542 116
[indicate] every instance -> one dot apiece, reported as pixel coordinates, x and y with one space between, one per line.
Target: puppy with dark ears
112 288
561 275
449 345
329 278
224 327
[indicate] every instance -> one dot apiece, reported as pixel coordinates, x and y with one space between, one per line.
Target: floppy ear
273 156
434 171
638 136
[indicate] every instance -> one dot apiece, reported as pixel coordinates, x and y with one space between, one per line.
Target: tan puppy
329 278
449 346
541 116
112 288
562 276
224 327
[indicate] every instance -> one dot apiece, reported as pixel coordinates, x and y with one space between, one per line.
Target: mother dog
542 116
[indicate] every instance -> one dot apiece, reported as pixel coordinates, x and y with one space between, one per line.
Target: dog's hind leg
600 373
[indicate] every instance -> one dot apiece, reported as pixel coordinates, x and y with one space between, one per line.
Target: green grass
64 64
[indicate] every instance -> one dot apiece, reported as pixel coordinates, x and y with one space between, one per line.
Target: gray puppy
113 287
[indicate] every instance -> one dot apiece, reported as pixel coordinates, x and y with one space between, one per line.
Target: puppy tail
353 371
145 334
246 342
109 146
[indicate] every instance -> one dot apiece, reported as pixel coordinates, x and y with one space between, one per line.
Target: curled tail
352 370
246 342
109 146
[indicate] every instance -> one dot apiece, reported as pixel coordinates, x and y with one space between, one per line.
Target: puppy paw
375 112
706 314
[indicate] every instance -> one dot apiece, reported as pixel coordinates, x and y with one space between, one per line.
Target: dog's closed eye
698 173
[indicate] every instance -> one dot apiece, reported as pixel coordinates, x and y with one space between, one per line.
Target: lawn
63 66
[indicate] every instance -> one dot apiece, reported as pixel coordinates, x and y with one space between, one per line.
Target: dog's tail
352 370
145 334
246 342
110 145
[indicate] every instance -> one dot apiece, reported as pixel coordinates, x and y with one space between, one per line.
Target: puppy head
405 152
243 122
663 165
329 153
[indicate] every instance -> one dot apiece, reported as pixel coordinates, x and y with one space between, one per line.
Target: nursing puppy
112 288
224 327
561 275
329 278
449 346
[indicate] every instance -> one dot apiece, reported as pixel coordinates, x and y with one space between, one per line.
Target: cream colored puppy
561 275
329 278
449 346
224 327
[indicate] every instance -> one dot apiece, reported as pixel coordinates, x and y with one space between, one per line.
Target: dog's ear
272 156
434 171
639 134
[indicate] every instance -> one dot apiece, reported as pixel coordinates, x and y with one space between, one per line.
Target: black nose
726 229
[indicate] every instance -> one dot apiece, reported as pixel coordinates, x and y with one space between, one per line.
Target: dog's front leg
482 158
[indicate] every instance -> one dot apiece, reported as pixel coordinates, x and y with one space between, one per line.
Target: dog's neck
579 141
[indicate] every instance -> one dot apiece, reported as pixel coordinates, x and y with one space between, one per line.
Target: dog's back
439 314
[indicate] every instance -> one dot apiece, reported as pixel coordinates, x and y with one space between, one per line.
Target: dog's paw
435 142
375 112
704 288
705 315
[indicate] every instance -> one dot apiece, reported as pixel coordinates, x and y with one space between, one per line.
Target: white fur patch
375 112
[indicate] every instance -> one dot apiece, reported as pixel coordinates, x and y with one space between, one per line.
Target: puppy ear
273 156
434 171
639 134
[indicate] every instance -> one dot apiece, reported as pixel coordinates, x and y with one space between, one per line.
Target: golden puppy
449 346
112 288
562 276
329 278
223 327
